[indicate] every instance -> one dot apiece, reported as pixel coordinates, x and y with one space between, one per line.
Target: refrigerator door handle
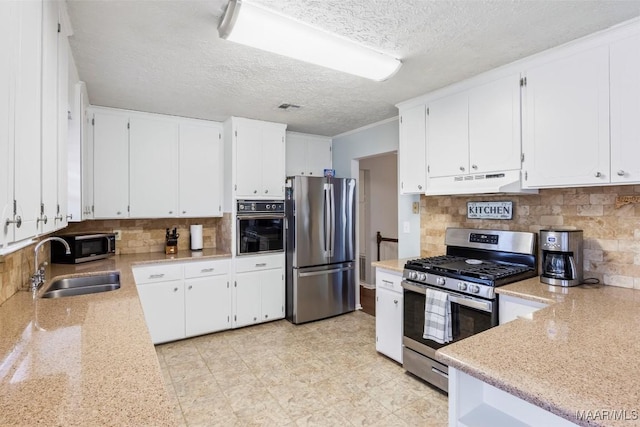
332 236
322 272
327 220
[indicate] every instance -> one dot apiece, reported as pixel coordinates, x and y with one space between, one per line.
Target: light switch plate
406 227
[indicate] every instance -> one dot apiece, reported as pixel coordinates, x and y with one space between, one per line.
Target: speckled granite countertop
83 360
579 354
392 264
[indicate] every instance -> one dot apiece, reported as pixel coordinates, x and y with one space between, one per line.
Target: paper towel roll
196 237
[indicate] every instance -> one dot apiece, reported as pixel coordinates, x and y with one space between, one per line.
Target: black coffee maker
561 257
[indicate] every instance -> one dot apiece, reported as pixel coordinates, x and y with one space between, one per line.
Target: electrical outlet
416 207
118 234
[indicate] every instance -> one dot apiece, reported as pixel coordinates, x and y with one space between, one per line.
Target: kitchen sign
490 210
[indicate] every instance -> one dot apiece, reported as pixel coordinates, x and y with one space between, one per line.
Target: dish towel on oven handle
437 317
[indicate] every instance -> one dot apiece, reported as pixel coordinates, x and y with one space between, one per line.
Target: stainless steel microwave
84 247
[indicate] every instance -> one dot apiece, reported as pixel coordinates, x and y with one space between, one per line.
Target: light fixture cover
255 26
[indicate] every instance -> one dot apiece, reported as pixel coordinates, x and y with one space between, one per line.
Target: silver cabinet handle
43 219
262 264
266 191
170 212
387 282
17 221
58 217
255 191
310 173
118 213
395 301
184 212
266 316
474 166
419 187
207 270
190 287
439 372
621 173
598 174
255 318
156 276
462 168
175 289
70 216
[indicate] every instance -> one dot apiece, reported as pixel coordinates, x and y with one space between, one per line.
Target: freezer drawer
320 292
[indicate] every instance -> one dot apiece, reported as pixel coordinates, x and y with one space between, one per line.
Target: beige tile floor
325 373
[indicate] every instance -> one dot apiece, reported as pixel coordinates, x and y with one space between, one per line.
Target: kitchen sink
102 282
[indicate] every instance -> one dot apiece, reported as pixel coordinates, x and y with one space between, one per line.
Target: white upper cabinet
625 110
28 119
448 136
111 164
494 126
566 120
258 164
200 167
61 219
153 163
7 45
307 155
412 148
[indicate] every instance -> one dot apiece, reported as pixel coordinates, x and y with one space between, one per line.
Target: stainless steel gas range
476 261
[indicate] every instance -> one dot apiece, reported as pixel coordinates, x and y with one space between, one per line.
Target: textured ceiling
166 57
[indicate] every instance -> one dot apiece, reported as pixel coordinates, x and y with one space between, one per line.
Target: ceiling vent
288 107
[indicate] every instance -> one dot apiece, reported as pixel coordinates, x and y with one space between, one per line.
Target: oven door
469 316
262 233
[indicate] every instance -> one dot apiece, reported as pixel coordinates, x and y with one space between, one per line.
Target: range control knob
474 288
268 206
462 286
422 277
413 275
441 281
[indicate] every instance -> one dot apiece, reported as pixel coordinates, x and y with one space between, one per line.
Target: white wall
373 140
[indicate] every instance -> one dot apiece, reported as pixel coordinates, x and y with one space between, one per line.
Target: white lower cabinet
258 289
511 308
389 306
473 402
163 306
181 300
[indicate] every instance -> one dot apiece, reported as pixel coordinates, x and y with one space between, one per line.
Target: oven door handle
263 216
471 303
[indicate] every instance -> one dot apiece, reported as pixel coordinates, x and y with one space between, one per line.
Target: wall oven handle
261 216
321 272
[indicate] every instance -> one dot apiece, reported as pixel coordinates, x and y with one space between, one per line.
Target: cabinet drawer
157 273
388 280
205 268
256 263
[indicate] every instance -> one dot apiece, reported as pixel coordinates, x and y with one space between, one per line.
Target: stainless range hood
483 183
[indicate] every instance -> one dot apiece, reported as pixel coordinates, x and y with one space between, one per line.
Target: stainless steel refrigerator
320 247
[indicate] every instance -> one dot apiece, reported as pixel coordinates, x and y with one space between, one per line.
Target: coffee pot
561 257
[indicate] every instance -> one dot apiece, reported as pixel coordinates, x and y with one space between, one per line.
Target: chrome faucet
38 277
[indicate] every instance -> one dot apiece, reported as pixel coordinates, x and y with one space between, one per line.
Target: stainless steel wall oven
259 226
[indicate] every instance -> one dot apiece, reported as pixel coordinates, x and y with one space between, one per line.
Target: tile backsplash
148 235
611 235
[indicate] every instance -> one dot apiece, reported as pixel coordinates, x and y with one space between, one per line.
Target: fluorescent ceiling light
255 26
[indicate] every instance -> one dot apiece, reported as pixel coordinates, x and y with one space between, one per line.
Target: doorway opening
377 212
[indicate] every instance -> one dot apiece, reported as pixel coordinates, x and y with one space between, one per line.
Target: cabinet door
153 163
389 323
411 152
625 110
200 169
163 306
566 127
28 118
8 43
448 136
296 155
63 132
247 303
49 178
86 133
207 305
318 155
110 165
249 159
273 156
494 126
272 294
